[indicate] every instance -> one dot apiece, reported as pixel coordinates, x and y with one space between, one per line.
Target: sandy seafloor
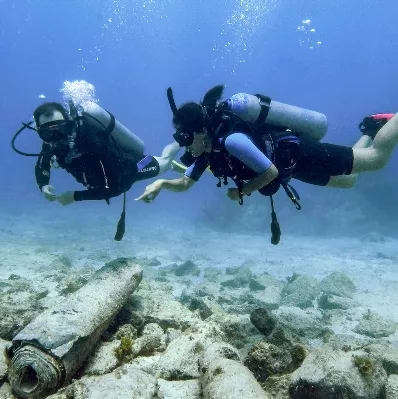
30 241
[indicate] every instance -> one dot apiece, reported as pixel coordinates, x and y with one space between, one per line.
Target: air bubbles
79 91
308 36
121 21
239 32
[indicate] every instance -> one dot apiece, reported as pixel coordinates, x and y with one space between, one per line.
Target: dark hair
213 96
193 117
189 117
48 109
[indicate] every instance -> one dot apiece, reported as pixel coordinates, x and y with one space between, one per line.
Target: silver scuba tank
124 138
302 121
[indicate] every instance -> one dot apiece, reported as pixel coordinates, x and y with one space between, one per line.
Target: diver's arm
95 194
43 167
178 185
166 158
260 181
183 183
241 147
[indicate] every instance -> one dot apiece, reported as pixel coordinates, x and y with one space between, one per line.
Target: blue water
132 51
337 57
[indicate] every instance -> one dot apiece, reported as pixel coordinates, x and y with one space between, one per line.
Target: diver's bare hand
49 193
233 194
151 192
66 198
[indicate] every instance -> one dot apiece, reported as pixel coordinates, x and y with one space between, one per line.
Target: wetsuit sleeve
96 194
241 147
196 170
43 166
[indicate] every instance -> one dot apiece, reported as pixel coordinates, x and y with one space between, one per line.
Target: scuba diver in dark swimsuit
261 144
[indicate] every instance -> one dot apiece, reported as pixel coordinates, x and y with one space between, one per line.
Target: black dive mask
185 135
55 131
183 138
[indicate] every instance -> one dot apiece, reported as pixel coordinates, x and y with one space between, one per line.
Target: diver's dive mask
183 138
185 132
51 132
55 130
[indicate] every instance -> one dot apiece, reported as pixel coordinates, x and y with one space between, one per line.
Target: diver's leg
364 142
329 165
349 181
326 180
166 158
344 181
377 155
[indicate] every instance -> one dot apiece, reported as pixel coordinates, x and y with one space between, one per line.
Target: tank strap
265 104
111 125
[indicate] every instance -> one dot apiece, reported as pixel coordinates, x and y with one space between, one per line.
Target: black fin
212 96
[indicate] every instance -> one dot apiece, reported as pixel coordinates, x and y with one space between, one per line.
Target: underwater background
337 57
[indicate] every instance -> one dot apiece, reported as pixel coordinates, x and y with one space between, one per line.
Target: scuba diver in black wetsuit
96 149
261 145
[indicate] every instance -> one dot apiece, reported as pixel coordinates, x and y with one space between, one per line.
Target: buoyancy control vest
125 141
277 142
280 147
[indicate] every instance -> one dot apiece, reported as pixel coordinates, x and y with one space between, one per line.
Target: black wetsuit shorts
317 162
